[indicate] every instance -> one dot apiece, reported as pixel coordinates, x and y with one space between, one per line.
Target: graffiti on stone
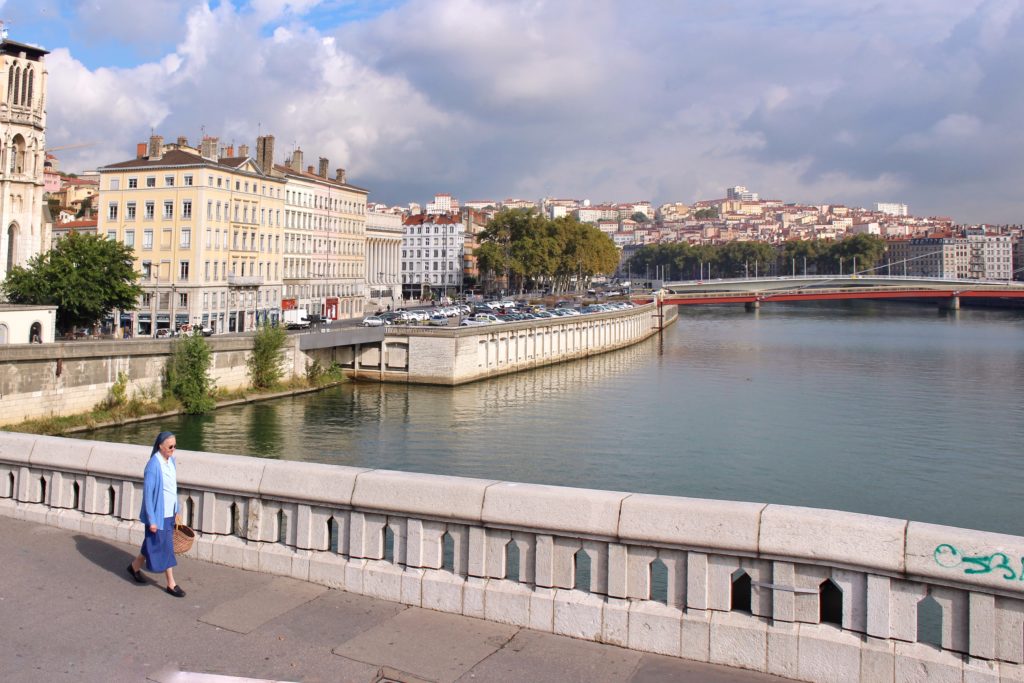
950 557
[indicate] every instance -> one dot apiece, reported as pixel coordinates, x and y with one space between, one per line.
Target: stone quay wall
457 355
40 380
816 595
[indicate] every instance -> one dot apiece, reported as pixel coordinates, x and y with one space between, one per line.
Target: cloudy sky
843 101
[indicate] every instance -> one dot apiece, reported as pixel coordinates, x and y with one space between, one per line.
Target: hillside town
230 237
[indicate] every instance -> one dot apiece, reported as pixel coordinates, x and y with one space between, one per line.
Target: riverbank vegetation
682 261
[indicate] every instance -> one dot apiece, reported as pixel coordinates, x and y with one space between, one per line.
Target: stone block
783 649
557 508
235 552
1009 628
412 586
474 598
827 536
691 522
828 654
877 660
507 602
102 526
382 580
300 564
578 614
275 558
72 520
654 627
16 448
203 547
938 552
1011 673
442 591
739 640
921 663
236 473
119 461
309 482
980 671
542 609
354 575
696 635
615 622
328 569
71 455
428 495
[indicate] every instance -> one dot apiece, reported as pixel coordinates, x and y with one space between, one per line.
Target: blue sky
851 102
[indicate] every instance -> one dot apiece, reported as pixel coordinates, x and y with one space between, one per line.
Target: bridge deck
239 623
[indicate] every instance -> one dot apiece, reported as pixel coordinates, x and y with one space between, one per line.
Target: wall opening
10 485
512 561
282 527
659 581
190 512
332 535
389 544
42 489
111 500
235 515
76 495
448 552
929 621
741 589
581 571
830 603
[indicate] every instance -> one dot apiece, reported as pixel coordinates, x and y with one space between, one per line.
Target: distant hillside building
23 231
892 209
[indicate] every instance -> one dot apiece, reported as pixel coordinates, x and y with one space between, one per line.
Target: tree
188 375
267 356
706 214
85 276
640 217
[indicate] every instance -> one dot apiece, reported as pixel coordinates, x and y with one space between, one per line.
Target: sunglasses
171 447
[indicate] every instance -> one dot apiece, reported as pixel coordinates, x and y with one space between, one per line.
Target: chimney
339 175
208 149
310 169
297 160
231 151
182 141
265 152
140 150
156 147
323 168
243 150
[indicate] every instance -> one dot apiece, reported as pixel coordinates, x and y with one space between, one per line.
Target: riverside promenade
69 612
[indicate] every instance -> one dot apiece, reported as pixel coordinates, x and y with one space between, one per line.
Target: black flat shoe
136 574
176 591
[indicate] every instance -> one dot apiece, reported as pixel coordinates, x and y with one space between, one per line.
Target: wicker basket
183 538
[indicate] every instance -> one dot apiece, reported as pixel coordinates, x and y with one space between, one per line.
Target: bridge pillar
950 304
752 306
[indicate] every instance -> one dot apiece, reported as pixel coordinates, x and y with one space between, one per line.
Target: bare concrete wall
72 377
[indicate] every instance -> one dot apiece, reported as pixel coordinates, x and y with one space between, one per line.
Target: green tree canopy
85 276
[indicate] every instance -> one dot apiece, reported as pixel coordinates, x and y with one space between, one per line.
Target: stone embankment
816 595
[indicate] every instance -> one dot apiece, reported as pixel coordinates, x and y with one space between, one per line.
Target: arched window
17 152
24 87
31 82
10 86
17 85
12 246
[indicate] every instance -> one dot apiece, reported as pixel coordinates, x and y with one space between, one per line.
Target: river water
884 408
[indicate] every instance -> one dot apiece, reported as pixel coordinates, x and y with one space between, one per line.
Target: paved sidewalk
69 612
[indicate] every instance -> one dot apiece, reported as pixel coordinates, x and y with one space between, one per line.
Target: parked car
438 320
372 321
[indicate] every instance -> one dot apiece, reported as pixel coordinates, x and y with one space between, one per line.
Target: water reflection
881 408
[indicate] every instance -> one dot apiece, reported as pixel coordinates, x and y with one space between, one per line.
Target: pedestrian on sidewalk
159 506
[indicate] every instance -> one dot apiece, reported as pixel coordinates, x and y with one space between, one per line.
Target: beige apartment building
207 228
324 232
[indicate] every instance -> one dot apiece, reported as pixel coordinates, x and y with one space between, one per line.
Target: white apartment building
384 231
432 255
443 203
324 259
892 208
976 257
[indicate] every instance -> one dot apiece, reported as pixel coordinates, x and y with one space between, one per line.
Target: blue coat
153 493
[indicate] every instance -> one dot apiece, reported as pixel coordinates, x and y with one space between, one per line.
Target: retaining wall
816 595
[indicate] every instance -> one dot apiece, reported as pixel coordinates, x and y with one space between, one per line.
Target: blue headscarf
160 438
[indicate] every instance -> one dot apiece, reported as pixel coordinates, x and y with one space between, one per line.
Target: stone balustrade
816 595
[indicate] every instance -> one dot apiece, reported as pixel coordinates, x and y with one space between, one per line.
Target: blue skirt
158 547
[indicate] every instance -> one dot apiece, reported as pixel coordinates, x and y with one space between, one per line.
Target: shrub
267 356
188 375
118 395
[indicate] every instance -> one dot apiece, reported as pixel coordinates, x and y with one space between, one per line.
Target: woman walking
159 506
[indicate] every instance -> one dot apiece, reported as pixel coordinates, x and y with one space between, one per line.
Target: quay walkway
69 612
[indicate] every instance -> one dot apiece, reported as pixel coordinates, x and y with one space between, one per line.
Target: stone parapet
816 595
